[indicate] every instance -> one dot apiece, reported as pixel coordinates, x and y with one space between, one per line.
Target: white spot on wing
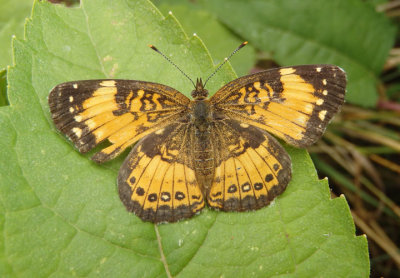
322 114
320 101
71 99
75 86
160 131
77 131
165 197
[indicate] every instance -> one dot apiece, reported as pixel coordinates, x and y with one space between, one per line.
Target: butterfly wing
157 180
252 168
122 111
293 103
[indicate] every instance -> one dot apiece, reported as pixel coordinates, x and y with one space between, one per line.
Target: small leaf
348 33
60 212
12 20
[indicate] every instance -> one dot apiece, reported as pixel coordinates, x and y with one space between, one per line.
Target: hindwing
252 168
157 180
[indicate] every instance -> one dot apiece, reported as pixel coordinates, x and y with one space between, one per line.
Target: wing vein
248 178
237 182
238 134
151 180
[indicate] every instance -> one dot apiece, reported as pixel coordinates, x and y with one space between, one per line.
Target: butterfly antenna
225 60
166 58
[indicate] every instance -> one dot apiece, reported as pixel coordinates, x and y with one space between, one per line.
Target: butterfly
216 150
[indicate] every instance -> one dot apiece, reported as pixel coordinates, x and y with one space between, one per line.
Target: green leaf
377 3
348 33
12 20
219 40
60 214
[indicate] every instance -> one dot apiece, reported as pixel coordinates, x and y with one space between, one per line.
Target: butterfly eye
199 92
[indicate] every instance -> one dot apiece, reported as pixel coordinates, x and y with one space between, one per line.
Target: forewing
293 103
252 168
157 180
122 111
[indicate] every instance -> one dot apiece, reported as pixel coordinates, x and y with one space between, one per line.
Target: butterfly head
199 92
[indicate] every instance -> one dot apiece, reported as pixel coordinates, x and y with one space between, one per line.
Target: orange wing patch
122 111
293 103
157 180
252 170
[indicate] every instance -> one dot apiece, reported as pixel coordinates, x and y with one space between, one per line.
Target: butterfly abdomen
203 156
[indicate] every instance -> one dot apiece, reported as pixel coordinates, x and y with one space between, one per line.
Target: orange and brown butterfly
188 152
